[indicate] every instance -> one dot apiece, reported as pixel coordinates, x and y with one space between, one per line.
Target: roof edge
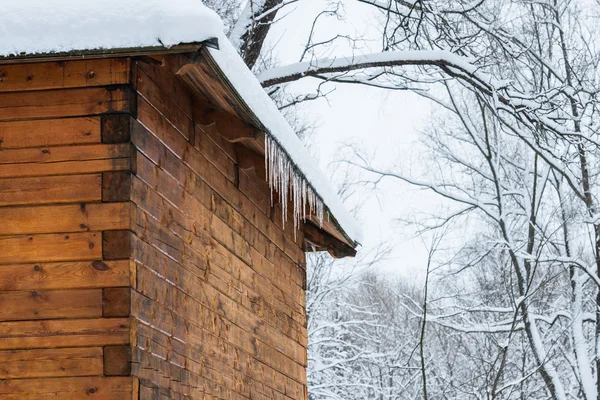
106 53
353 239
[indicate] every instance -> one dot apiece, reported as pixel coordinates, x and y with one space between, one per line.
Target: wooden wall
137 258
218 301
60 324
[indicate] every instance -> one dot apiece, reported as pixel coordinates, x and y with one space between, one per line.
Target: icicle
283 177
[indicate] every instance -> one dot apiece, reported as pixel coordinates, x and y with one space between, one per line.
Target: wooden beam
319 240
117 360
228 125
250 159
116 302
116 245
116 186
115 128
71 388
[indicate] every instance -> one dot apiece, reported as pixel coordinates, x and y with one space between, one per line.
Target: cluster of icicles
283 177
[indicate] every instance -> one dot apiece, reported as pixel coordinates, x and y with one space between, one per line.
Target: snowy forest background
505 303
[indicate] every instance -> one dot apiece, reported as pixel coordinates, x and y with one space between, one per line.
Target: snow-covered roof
56 26
29 27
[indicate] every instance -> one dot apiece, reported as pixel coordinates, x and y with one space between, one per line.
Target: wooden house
146 252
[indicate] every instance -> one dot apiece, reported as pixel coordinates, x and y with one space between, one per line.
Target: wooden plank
73 388
116 302
257 191
135 392
215 155
116 186
115 128
40 304
171 111
116 244
51 189
50 247
63 103
49 132
83 217
160 126
65 275
173 88
68 74
42 363
64 168
63 333
117 360
64 153
211 132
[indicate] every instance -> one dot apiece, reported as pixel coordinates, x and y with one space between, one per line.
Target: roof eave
107 53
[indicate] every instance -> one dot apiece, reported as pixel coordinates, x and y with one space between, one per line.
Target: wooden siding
53 326
218 299
138 258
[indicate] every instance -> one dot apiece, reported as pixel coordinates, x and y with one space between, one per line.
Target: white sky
381 122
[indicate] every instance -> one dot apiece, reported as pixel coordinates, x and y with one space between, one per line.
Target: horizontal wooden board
172 87
169 109
64 168
83 217
48 154
40 304
49 132
50 247
64 275
83 361
64 333
198 174
95 387
51 189
68 74
63 103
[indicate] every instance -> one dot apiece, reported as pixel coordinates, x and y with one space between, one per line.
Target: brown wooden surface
116 301
63 333
116 186
63 103
49 132
72 388
40 363
115 128
164 251
64 275
50 189
63 168
218 284
52 154
55 75
64 218
50 304
116 244
50 247
65 159
117 360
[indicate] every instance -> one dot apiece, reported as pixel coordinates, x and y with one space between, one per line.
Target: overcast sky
385 124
